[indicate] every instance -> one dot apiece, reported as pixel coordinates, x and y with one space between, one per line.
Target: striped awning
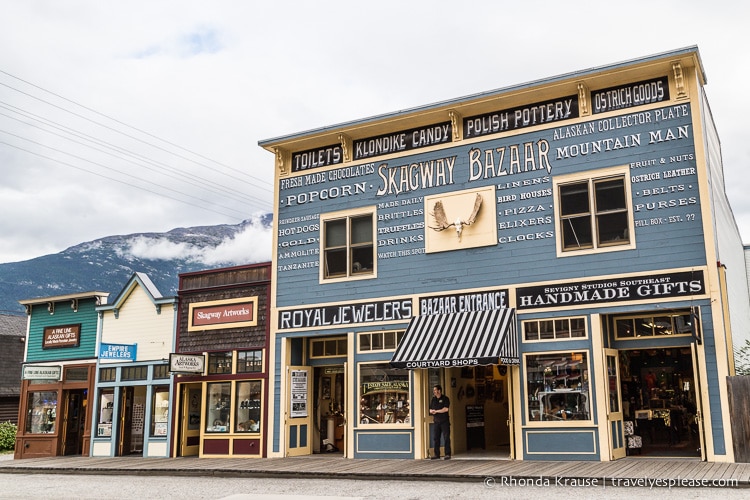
459 339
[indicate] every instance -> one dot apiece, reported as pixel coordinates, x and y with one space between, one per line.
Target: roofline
693 49
59 298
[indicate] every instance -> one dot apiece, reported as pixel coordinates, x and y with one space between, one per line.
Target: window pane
557 387
577 327
644 327
362 230
562 329
624 328
41 412
160 411
613 228
610 195
106 408
389 340
364 342
576 233
385 395
362 259
335 233
377 341
248 406
574 199
217 407
546 330
219 362
531 330
663 325
336 262
249 362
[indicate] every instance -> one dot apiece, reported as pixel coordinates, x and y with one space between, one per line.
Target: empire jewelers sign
214 315
61 336
120 352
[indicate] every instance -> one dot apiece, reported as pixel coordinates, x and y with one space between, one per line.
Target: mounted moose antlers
438 213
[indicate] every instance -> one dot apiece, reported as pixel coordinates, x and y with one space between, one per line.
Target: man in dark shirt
439 407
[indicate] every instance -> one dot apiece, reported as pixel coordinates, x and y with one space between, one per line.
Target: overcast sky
119 117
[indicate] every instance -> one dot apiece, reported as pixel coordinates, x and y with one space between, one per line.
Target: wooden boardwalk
630 470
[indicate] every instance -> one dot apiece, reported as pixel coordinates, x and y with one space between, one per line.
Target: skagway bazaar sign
346 314
658 286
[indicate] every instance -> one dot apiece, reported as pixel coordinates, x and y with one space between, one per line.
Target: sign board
187 363
61 336
41 372
299 393
217 314
120 352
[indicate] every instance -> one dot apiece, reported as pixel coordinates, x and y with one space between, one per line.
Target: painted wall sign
61 336
233 313
315 158
346 314
464 302
653 148
30 372
187 363
556 110
121 352
404 140
658 286
630 95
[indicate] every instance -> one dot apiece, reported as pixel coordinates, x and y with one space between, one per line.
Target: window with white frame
348 246
554 329
379 341
594 213
557 386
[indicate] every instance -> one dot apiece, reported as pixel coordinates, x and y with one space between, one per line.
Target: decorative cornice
457 124
346 147
679 81
583 101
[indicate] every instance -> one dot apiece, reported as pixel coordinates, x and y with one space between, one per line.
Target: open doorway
481 406
329 406
659 398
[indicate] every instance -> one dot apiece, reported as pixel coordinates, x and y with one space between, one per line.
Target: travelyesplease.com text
609 482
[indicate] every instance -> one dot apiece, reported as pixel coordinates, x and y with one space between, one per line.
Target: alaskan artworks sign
187 363
218 314
61 336
625 289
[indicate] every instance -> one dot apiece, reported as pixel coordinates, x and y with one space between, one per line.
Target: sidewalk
625 472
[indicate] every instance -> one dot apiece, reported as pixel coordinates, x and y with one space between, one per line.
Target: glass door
617 444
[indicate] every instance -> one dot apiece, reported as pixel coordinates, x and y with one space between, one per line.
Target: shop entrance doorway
131 420
189 420
659 399
74 421
481 412
329 404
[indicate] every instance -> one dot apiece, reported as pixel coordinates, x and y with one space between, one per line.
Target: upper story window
348 246
219 362
593 213
379 341
554 329
635 327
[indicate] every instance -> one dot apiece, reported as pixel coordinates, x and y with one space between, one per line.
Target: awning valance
459 339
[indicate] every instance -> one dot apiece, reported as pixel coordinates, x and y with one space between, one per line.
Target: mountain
106 264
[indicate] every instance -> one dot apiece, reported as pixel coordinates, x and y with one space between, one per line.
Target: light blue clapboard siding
658 246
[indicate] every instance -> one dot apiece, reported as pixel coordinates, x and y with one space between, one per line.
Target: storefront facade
132 413
58 375
542 251
219 365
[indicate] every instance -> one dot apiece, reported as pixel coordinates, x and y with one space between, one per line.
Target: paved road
109 487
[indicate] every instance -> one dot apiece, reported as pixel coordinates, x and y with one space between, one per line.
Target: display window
106 408
557 386
160 411
247 406
41 412
384 395
217 406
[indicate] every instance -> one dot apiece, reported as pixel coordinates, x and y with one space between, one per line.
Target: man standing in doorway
439 407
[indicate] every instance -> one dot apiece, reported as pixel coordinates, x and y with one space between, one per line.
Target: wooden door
617 441
190 420
299 417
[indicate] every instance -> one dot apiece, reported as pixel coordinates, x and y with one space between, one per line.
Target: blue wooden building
559 255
